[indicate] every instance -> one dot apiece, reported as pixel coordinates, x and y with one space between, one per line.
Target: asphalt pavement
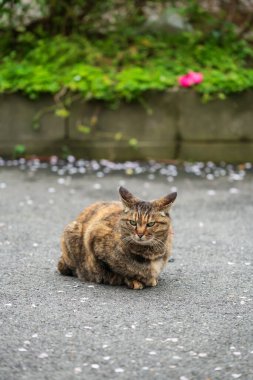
195 325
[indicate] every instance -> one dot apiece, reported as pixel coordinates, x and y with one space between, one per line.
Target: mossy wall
166 126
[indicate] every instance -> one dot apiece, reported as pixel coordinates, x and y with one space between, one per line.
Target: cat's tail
71 248
64 269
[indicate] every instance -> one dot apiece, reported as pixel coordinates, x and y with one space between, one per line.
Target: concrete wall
172 125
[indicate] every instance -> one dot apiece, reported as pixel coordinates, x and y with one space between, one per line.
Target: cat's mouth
142 241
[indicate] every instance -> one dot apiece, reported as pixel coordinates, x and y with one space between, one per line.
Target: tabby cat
127 242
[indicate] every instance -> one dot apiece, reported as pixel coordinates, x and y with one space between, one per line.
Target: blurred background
110 79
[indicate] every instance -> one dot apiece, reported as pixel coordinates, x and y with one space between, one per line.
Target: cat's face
145 223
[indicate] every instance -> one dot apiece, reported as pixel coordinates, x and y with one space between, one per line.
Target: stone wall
165 126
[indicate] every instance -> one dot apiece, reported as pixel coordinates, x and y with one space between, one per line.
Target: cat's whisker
159 243
127 240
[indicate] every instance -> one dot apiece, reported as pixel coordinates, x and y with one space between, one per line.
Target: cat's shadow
168 284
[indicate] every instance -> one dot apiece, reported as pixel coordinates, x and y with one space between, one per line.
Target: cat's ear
163 204
127 198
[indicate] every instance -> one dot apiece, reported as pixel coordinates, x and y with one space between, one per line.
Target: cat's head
145 223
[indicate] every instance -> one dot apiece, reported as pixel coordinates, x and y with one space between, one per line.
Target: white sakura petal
43 355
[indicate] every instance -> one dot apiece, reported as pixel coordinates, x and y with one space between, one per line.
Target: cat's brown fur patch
117 243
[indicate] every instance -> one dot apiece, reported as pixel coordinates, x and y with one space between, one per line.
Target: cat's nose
140 235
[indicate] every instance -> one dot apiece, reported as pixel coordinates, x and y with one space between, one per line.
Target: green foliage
62 112
124 66
103 50
83 129
133 142
19 150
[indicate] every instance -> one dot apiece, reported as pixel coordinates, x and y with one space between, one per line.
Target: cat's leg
156 267
117 279
93 270
113 279
151 281
141 283
97 271
100 276
134 284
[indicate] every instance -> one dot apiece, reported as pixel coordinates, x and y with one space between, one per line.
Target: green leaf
221 96
118 136
133 142
83 129
19 149
62 112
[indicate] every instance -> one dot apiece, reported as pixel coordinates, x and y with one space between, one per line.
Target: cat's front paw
134 284
151 282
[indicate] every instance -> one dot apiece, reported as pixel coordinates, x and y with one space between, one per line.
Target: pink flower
186 81
197 77
190 79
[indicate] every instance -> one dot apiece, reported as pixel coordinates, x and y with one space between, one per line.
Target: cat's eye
132 222
150 224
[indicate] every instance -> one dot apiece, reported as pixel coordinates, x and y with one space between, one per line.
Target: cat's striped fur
127 242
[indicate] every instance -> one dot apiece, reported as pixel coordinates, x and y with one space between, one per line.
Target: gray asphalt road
196 324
